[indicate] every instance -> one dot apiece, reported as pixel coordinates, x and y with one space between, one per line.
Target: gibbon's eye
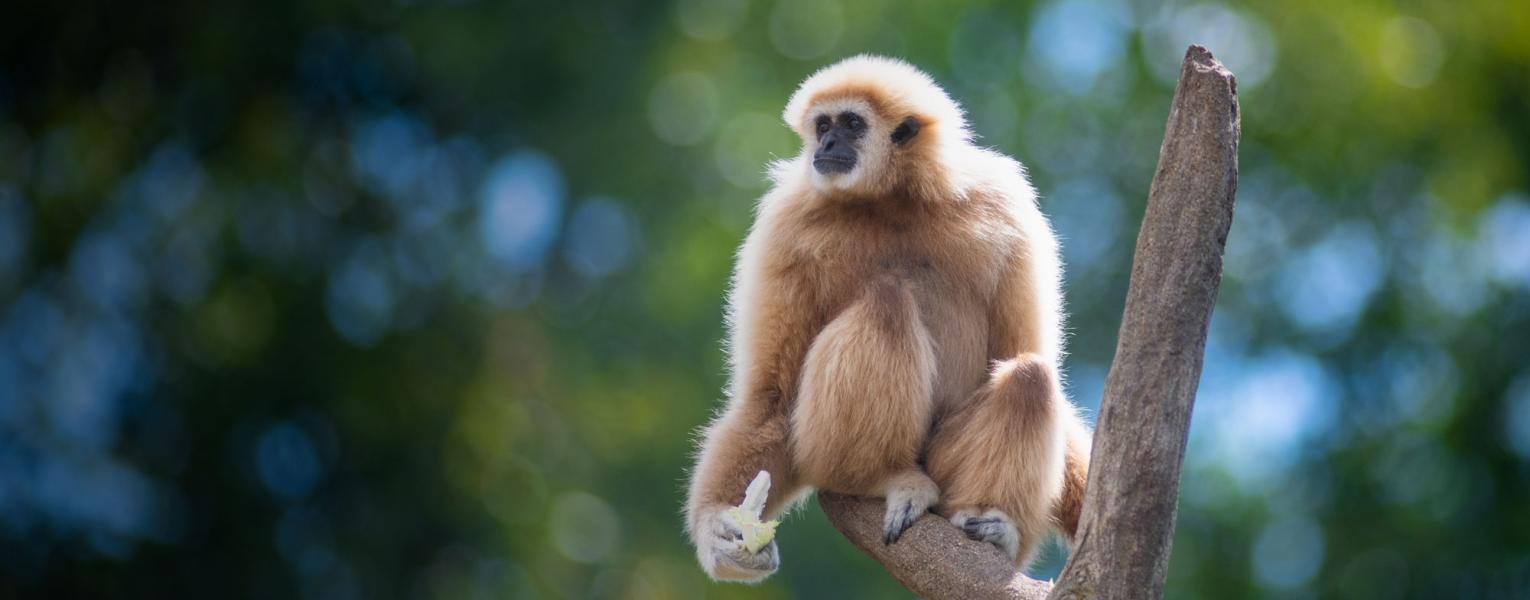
853 121
823 125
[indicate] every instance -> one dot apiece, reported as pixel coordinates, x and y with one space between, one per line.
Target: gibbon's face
839 139
853 144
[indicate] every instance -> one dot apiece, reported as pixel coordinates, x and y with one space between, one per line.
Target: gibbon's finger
724 528
762 562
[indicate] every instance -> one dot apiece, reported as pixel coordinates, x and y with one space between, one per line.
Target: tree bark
1124 535
933 559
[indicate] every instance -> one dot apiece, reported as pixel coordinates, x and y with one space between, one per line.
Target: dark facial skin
839 140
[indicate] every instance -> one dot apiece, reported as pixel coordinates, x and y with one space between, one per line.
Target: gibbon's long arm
768 338
1026 315
748 437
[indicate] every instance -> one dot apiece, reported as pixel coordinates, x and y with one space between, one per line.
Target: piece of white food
746 516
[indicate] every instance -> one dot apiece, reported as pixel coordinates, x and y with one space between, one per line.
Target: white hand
720 549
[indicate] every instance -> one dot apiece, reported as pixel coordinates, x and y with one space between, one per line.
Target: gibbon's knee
863 407
1004 449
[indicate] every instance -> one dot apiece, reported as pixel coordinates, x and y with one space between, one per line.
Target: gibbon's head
871 125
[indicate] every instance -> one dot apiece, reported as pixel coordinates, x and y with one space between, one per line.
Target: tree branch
1124 535
1144 420
933 559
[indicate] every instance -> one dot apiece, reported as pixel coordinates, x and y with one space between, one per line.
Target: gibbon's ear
905 131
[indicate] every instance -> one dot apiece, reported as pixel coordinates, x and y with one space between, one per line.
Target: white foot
909 496
992 526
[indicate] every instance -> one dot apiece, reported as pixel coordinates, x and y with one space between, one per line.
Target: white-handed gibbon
895 330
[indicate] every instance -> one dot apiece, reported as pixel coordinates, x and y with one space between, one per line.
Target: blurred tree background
422 299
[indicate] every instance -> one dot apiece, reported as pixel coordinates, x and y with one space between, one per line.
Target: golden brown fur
899 319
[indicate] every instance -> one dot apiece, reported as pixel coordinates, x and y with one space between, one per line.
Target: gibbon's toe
898 519
909 496
992 526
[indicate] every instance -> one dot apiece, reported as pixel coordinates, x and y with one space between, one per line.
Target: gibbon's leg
992 526
999 459
1065 512
864 407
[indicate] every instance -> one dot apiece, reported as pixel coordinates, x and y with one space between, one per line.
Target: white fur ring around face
746 516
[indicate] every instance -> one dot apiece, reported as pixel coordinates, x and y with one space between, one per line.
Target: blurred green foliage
423 299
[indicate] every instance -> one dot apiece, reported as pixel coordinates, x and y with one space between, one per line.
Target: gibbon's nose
828 144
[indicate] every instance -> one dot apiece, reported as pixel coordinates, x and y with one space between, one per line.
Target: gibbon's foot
720 548
909 496
993 527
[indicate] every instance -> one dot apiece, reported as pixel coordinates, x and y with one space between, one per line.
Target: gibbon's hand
741 546
720 548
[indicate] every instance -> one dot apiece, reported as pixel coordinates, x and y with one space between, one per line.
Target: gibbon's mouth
833 165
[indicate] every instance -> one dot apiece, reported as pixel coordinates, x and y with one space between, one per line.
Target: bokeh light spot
360 298
170 181
1504 239
386 152
100 493
1075 41
1411 51
1327 287
682 108
602 238
1516 408
1239 40
806 29
1288 552
711 20
1274 407
104 269
584 527
1086 212
982 49
746 144
1446 272
522 206
287 462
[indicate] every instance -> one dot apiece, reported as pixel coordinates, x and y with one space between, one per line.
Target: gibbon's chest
952 273
944 261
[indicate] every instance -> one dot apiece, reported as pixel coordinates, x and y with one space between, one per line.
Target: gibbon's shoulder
989 176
